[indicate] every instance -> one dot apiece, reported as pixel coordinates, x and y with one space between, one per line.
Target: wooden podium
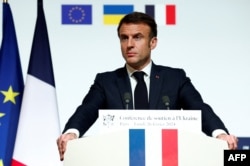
146 147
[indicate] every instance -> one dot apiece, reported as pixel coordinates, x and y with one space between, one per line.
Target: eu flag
11 87
76 14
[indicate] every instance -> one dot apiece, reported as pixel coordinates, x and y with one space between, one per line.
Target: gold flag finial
5 1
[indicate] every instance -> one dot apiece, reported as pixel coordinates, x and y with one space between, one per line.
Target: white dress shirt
133 80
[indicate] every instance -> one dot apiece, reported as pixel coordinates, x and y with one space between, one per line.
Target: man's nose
130 43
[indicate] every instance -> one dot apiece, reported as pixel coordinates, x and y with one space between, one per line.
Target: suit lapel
124 86
156 81
155 86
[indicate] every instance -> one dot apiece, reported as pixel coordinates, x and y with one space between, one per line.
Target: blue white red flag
38 126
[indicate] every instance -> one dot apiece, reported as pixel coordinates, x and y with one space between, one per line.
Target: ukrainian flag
114 13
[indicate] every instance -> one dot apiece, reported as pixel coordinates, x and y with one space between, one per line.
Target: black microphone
127 98
166 101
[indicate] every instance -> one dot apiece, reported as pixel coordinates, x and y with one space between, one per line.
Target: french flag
38 127
163 14
161 154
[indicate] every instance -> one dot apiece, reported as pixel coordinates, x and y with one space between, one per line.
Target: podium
112 149
146 146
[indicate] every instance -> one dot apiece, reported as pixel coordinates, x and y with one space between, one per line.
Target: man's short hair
138 18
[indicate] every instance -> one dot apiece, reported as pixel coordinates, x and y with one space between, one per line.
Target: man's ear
153 43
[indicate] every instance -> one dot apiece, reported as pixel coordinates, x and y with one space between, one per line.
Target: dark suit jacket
109 88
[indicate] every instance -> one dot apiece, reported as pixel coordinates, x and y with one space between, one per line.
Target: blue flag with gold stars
11 87
76 14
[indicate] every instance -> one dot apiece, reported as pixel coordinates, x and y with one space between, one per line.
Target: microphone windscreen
165 99
127 97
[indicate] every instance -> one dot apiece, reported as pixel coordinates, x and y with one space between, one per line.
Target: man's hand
62 143
232 140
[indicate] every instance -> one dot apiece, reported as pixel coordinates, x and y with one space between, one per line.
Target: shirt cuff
75 131
217 132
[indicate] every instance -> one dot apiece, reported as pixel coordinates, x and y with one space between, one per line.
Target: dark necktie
140 93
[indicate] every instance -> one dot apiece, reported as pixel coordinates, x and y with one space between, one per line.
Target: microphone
166 101
127 98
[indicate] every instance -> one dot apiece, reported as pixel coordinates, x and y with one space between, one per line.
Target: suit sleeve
87 113
191 99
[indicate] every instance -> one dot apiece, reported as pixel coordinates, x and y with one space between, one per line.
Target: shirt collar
146 69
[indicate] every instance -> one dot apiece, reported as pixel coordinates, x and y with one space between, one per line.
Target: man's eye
137 37
123 38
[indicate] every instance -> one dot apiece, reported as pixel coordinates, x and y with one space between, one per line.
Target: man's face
136 44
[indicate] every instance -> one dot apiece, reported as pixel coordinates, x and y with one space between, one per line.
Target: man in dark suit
169 88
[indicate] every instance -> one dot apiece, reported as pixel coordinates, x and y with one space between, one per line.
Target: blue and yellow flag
11 87
112 14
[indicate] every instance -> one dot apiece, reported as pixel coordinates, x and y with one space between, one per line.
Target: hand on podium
232 140
62 143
